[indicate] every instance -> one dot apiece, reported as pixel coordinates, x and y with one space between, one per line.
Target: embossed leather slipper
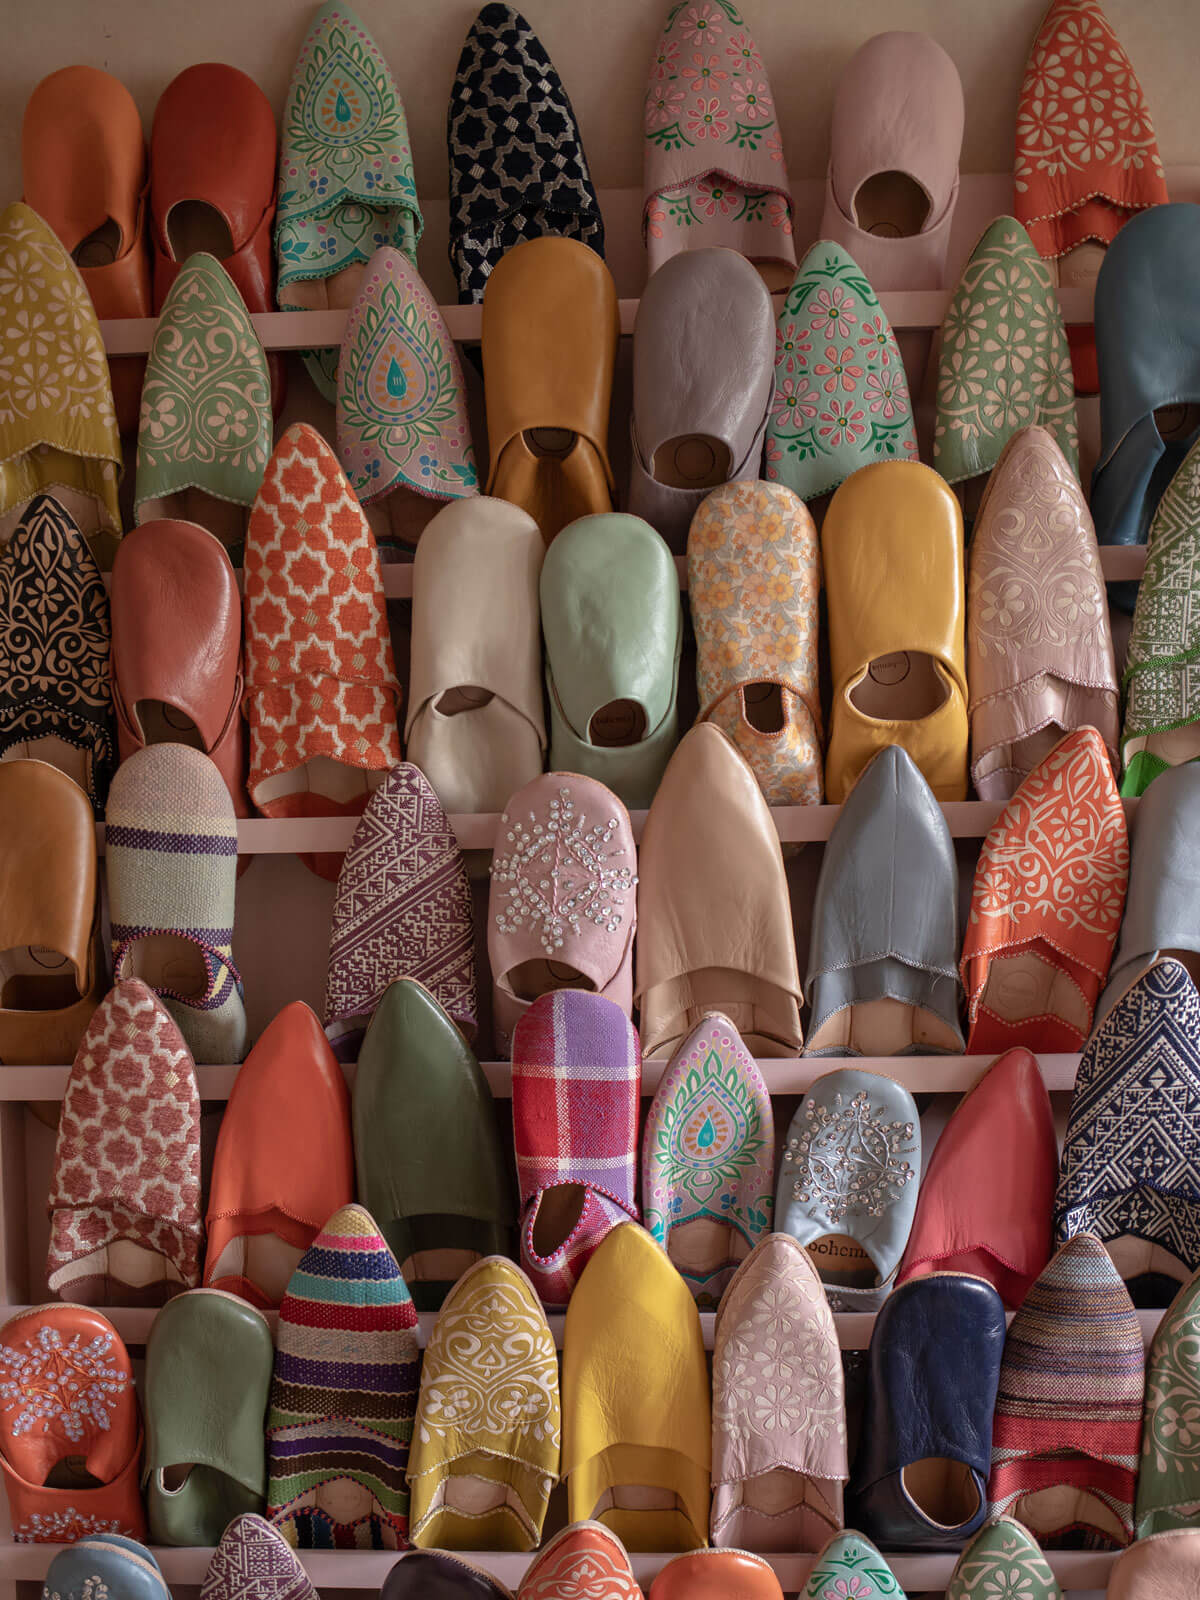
1168 1484
585 1561
1002 1554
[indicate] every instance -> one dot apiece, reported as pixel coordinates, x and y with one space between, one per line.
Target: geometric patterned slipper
485 1450
852 1562
1129 1172
346 182
343 1394
1165 1566
58 429
55 641
517 166
1002 1559
107 1566
779 1415
254 1562
402 909
584 1562
1068 1422
1168 1486
124 1203
1047 902
708 1158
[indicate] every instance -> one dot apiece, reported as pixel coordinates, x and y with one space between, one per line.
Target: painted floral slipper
1003 1555
585 1561
1168 1483
108 1564
854 1562
255 1562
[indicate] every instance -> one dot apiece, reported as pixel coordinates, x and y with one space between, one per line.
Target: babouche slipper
1168 1472
712 1574
122 1567
1003 1553
584 1558
255 1562
854 1562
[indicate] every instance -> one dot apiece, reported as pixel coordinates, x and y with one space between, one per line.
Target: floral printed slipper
1003 1558
1168 1485
106 1566
585 1561
850 1568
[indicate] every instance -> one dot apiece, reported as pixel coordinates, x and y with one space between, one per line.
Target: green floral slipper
850 1568
1003 1562
1168 1488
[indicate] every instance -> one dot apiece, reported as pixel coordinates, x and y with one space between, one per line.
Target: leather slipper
437 1575
854 1562
1001 1554
1158 1568
253 1554
122 1568
585 1561
1167 1472
714 1575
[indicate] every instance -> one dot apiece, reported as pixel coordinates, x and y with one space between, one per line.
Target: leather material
122 1568
892 544
933 1371
550 333
703 367
585 1561
434 1575
1167 1472
1003 1553
850 1559
716 1575
1165 1566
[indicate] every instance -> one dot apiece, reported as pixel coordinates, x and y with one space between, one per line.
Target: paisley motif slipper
714 163
124 1569
779 1442
346 183
402 431
713 1574
124 1201
1168 1473
562 909
841 396
1003 1553
576 1082
708 1158
517 164
55 641
854 1562
1039 645
753 585
403 905
1083 166
551 328
205 432
582 1562
1047 902
338 1430
255 1562
480 1475
58 429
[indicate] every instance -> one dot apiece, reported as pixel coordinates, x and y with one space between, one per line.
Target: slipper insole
463 697
1176 747
1028 752
162 723
901 687
692 461
68 758
224 520
33 978
891 205
193 226
842 1261
169 961
1046 1511
321 776
762 707
335 293
1026 984
884 1027
942 1489
100 248
534 978
261 1258
705 1246
1079 268
558 1213
618 725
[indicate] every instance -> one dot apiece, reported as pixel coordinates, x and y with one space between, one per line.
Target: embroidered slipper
848 1183
1039 646
637 1429
1134 1184
1087 159
475 724
403 906
920 1475
171 854
754 577
284 1160
67 1401
56 702
854 1562
715 919
714 149
562 909
343 1394
1004 359
1003 1555
613 624
427 1145
124 1202
58 429
896 626
714 1574
517 164
346 183
576 1084
1047 902
436 1575
551 328
897 134
583 1562
1167 1485
52 973
105 1562
480 1472
703 349
208 1372
779 1412
985 1202
254 1562
1068 1422
882 973
1157 1568
708 1158
841 395
402 431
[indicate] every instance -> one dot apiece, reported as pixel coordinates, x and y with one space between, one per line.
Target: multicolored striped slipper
343 1395
255 1562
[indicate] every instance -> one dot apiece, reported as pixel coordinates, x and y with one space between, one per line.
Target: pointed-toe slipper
403 906
1003 1555
854 1562
1068 1421
1039 646
708 1158
714 1575
585 1561
637 1428
122 1568
56 701
480 1474
339 1429
438 1575
703 354
284 1161
346 183
882 974
551 327
848 1183
841 395
1168 1485
1161 1567
255 1562
754 578
562 908
1047 902
517 164
58 428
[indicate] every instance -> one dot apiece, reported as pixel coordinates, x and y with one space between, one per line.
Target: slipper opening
1031 982
321 776
618 725
903 686
120 1273
783 1510
1173 748
842 1262
101 247
263 1259
552 443
706 1246
531 979
886 1027
463 697
1152 1273
494 1495
159 722
944 1491
559 1212
762 707
224 519
1070 1515
892 205
167 961
692 461
194 227
35 978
